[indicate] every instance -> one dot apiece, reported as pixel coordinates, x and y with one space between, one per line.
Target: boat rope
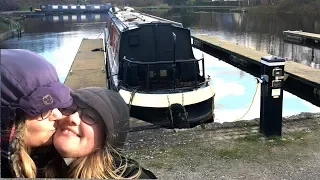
131 98
99 35
170 111
206 81
184 109
257 87
182 99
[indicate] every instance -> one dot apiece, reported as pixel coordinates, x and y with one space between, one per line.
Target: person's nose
73 119
55 115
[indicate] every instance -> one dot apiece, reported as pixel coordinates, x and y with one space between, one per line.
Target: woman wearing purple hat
89 136
30 97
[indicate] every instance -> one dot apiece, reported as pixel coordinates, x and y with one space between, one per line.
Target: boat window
82 7
55 18
163 73
54 7
83 17
97 17
74 17
151 75
64 7
73 7
133 40
43 7
97 7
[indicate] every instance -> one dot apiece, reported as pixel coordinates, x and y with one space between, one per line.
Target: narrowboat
150 62
65 9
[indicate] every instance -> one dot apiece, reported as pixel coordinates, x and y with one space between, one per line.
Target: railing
162 19
117 21
195 61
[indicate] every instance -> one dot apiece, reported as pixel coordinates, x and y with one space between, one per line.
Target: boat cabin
149 53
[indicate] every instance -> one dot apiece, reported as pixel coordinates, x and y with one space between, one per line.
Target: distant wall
11 5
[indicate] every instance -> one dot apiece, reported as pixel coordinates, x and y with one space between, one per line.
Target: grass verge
291 147
303 9
4 25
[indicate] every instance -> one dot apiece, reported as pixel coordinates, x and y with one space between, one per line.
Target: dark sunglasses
83 113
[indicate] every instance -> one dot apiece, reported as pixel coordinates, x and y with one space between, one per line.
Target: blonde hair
22 163
99 164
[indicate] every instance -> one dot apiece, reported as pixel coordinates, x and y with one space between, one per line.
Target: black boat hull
198 113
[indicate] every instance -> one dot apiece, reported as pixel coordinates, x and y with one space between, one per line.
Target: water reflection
262 32
58 39
76 18
236 90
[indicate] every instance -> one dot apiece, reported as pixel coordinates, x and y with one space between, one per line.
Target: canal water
58 38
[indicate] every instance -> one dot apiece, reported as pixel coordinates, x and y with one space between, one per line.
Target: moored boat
150 62
72 8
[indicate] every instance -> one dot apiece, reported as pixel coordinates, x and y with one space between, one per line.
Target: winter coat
40 156
131 170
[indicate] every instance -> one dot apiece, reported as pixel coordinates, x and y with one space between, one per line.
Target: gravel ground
231 151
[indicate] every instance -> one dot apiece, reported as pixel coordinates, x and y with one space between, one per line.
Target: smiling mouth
69 132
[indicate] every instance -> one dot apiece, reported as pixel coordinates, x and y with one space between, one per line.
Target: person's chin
64 143
65 151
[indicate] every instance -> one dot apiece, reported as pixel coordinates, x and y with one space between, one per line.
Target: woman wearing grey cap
30 97
88 138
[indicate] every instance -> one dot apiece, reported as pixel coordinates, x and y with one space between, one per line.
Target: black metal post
203 72
196 74
126 65
174 60
174 76
312 54
272 75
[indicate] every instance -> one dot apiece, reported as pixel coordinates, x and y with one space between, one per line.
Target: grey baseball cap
30 83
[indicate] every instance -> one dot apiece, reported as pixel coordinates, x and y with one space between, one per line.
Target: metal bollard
272 76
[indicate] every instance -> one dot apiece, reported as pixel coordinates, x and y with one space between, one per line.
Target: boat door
164 43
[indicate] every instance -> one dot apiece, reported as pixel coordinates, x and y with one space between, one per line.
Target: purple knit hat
30 83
